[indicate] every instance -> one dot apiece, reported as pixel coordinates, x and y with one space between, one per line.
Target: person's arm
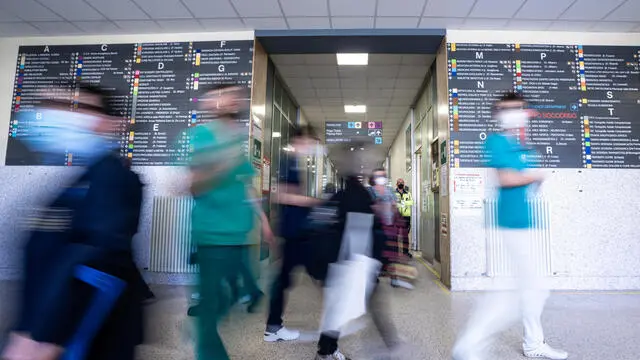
264 221
204 179
286 198
510 178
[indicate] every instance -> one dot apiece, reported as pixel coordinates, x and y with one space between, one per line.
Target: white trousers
496 311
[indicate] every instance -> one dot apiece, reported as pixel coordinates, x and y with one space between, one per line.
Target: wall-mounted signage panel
157 87
586 101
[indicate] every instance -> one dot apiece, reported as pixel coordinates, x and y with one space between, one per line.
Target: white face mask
59 131
513 119
380 180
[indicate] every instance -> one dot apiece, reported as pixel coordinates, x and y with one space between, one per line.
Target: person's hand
22 347
268 235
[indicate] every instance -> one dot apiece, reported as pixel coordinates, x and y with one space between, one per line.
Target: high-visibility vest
405 201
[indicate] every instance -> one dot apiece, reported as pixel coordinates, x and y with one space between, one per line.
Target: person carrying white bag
352 280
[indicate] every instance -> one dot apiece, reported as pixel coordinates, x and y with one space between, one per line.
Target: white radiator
498 263
171 244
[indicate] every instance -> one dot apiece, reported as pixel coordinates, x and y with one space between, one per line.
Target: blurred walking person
393 224
508 155
361 238
404 202
223 215
296 251
91 223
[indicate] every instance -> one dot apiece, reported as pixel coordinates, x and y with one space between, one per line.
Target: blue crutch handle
109 290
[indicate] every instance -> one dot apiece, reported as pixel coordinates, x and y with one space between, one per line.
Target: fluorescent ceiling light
353 59
355 109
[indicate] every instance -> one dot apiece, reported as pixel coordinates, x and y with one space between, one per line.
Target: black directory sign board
340 132
583 101
157 86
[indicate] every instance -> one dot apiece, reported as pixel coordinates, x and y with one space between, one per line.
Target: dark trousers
405 239
328 343
294 253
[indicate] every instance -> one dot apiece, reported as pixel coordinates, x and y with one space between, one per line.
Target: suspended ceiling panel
64 17
387 86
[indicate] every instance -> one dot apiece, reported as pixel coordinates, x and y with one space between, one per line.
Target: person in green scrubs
224 213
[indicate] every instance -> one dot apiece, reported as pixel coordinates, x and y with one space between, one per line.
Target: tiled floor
590 326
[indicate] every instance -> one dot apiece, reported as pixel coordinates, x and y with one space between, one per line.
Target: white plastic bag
346 294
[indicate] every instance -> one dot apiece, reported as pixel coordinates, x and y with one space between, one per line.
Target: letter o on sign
483 136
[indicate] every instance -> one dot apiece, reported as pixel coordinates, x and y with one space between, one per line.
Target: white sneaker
547 352
335 356
283 334
401 283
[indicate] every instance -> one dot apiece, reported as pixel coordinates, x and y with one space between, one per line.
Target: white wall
22 185
593 212
398 155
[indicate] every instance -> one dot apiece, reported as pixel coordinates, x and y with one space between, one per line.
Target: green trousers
220 269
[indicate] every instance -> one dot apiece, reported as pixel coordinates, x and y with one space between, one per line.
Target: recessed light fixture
355 109
352 59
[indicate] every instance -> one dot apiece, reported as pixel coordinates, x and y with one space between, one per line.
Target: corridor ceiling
73 17
388 87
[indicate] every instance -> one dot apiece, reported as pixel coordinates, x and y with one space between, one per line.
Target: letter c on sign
104 47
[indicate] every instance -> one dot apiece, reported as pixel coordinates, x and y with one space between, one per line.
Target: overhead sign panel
340 132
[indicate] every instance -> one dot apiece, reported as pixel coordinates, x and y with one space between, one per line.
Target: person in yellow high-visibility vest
405 202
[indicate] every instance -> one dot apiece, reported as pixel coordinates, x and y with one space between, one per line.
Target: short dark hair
226 86
330 188
512 96
106 96
508 97
303 131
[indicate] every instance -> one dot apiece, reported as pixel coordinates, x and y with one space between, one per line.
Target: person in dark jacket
355 198
91 223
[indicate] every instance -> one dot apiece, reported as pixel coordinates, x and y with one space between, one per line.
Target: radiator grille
171 244
498 264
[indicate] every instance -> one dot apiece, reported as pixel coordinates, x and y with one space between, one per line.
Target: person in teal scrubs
508 153
223 214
